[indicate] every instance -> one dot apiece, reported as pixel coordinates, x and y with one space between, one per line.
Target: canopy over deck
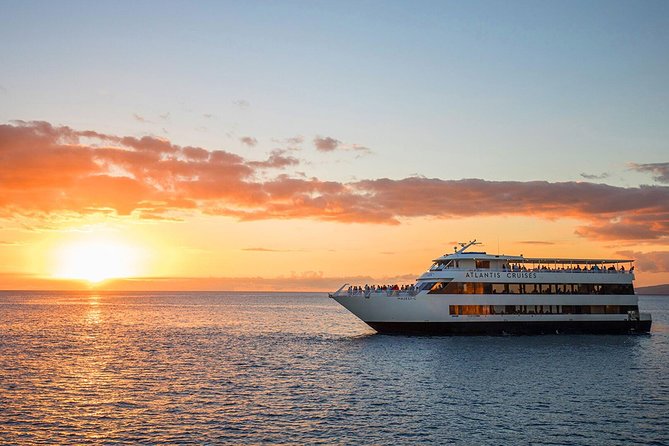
461 255
574 261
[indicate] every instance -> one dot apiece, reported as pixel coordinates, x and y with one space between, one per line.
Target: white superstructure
478 293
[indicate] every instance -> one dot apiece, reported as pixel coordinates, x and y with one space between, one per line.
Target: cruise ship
475 293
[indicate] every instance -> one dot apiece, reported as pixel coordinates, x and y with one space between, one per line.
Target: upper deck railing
594 269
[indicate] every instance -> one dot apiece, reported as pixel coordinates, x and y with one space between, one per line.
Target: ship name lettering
475 275
521 275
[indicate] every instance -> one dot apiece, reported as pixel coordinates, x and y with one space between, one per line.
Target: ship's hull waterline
510 328
429 315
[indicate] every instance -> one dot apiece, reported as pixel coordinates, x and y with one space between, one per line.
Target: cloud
277 160
195 153
249 141
660 171
49 170
266 250
649 262
291 143
313 281
611 212
326 144
295 140
595 177
535 242
140 119
362 150
242 103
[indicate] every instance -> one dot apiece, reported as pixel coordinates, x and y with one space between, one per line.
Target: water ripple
292 368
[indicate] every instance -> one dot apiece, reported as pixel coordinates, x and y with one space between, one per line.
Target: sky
298 145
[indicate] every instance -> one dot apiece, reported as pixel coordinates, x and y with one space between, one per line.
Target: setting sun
96 261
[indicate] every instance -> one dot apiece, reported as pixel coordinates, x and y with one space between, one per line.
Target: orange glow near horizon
96 260
225 254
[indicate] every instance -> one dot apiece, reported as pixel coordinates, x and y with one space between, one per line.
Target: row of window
526 288
540 309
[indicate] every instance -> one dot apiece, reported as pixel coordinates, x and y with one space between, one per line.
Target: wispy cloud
277 160
649 262
292 143
660 171
248 141
315 281
295 140
361 150
51 170
267 250
329 144
242 103
601 176
141 119
535 242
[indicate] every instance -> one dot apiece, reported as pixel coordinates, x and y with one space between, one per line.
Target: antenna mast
464 246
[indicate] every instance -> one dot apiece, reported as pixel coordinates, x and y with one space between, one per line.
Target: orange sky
298 145
80 204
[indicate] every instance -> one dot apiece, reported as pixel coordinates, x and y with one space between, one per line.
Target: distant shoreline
662 290
657 290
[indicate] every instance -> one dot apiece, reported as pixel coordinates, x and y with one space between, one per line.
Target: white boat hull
431 314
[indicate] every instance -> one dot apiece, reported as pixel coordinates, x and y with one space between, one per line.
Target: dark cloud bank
48 169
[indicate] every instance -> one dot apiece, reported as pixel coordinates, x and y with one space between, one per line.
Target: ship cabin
482 261
481 273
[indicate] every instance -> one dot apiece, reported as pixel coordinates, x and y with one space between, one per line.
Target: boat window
547 288
498 288
477 310
437 286
449 287
473 287
483 264
513 288
426 285
443 288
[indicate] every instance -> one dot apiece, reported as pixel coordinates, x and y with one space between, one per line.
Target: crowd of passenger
569 269
517 267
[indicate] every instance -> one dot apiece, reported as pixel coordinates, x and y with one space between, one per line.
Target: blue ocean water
293 368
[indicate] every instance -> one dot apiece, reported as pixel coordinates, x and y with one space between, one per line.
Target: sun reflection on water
93 314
